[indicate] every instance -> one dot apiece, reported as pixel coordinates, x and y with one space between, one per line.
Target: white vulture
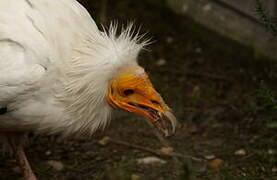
59 74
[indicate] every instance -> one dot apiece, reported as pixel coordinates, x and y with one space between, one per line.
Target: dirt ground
217 89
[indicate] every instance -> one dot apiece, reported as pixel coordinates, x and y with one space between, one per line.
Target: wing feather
16 76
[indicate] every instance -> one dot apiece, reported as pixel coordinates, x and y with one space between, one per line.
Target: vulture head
131 90
104 74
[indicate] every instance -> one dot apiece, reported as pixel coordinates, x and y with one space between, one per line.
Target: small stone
161 62
196 91
48 153
169 40
207 7
135 177
271 152
274 169
209 157
167 150
150 160
240 152
104 141
185 8
243 174
215 164
57 165
198 50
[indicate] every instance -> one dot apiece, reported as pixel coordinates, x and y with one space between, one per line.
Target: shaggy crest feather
88 73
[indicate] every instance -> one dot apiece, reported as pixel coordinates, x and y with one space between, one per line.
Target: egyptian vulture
59 74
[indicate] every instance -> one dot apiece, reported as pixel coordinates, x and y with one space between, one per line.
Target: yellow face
131 90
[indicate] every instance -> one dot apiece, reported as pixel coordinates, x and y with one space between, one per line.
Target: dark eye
128 92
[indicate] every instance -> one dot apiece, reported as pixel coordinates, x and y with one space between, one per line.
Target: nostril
155 102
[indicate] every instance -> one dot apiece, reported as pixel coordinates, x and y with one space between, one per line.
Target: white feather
55 66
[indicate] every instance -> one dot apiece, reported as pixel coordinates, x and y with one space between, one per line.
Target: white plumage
59 74
55 66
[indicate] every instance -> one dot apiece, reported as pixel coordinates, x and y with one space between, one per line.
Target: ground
218 90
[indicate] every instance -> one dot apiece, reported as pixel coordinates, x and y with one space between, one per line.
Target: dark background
217 89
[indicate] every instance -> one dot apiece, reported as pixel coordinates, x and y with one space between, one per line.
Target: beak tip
173 121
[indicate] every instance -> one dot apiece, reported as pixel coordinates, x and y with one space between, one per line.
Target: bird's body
59 73
47 66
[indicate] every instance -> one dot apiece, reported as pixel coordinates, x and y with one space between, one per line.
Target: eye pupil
128 92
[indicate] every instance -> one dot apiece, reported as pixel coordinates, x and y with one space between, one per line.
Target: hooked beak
131 90
155 111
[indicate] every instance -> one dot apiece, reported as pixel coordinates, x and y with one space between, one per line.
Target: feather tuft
88 73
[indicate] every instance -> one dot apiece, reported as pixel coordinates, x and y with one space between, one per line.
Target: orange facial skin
131 90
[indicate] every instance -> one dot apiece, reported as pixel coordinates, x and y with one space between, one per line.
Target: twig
246 157
155 152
